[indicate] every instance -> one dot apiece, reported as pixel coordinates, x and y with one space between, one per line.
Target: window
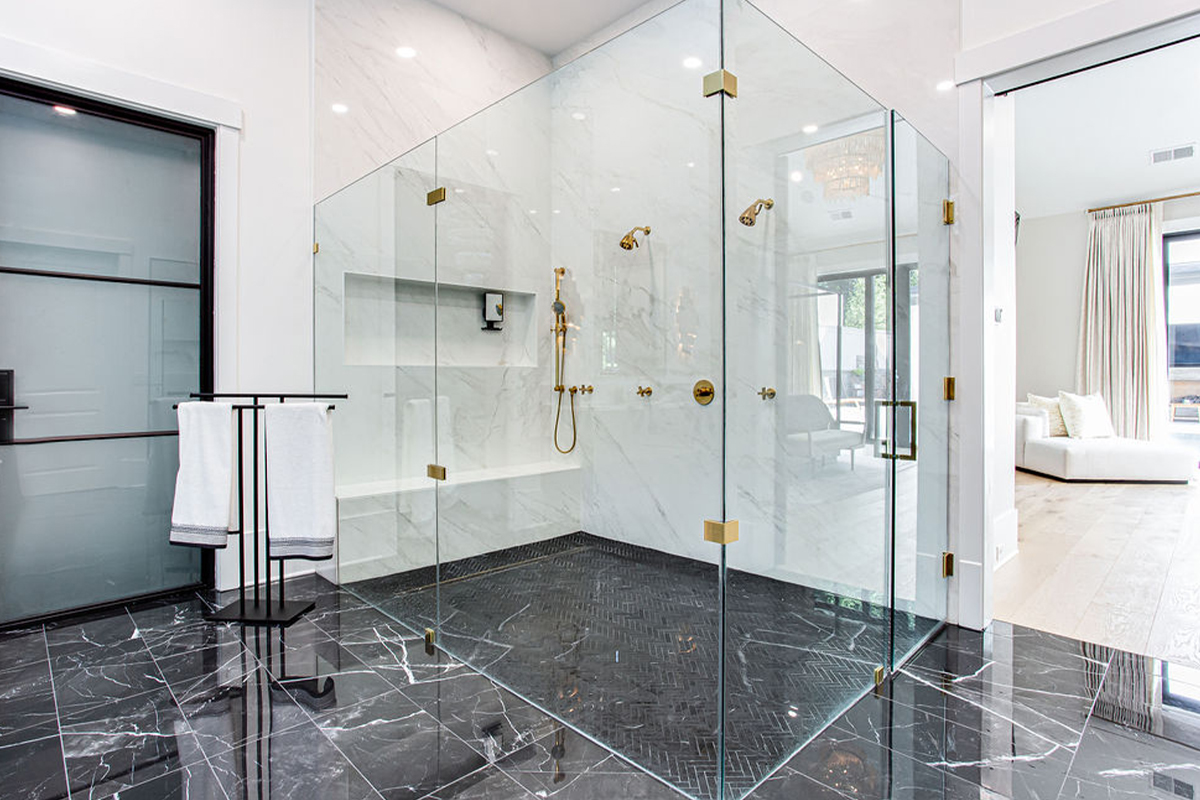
1181 254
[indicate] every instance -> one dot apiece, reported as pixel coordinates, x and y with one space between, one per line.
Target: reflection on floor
1116 564
154 703
621 642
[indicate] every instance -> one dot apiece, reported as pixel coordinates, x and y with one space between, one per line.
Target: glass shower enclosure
646 420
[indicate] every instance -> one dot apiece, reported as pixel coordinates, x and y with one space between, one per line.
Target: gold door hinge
436 471
316 247
948 387
948 212
880 674
947 565
430 639
721 532
436 196
720 81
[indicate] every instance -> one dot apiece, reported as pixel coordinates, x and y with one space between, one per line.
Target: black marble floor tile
138 739
399 748
33 770
195 782
566 766
291 759
21 647
623 643
27 708
489 783
231 711
493 720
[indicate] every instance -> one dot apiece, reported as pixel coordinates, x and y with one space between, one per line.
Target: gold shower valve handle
767 393
645 391
587 389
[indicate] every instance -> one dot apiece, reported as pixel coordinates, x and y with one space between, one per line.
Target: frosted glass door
101 297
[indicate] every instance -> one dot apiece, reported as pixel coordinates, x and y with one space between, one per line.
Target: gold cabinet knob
767 393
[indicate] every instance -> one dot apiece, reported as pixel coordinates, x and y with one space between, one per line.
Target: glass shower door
921 247
808 343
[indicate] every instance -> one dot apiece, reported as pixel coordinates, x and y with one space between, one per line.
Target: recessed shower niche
389 321
579 577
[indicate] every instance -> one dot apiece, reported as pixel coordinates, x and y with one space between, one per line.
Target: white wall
1051 257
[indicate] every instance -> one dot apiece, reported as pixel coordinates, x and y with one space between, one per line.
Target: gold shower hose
561 389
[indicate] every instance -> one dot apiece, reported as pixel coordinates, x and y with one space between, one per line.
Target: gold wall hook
767 393
750 215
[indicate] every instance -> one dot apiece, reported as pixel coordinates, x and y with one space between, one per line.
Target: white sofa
1108 459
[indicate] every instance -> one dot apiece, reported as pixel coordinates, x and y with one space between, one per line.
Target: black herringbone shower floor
622 643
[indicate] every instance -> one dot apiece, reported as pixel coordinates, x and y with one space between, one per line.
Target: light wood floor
1114 564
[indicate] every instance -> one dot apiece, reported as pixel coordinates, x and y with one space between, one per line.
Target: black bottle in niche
493 311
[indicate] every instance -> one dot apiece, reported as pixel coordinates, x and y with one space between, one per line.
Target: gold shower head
750 215
628 242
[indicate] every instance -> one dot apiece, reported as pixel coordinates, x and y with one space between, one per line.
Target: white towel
204 503
303 517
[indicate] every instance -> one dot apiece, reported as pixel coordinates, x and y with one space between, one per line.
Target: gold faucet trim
645 391
767 393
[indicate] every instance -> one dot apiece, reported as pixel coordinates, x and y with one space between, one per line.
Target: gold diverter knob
645 391
704 392
767 393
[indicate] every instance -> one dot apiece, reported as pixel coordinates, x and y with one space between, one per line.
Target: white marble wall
395 103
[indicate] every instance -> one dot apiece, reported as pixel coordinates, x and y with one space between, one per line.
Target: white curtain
1123 335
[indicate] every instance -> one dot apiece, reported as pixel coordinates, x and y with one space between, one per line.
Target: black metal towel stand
262 610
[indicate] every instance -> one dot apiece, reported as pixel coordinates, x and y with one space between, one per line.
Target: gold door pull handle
645 391
767 393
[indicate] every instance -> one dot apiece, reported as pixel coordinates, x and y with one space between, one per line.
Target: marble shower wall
393 103
636 144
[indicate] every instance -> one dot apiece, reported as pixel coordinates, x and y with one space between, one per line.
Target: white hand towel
203 507
303 517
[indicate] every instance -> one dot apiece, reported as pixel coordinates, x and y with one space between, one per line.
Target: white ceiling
1085 140
550 26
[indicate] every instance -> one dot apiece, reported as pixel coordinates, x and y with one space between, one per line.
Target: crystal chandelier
845 166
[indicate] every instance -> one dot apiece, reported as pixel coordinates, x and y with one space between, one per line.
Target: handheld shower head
628 242
750 215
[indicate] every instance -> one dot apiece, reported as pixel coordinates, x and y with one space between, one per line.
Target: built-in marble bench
386 527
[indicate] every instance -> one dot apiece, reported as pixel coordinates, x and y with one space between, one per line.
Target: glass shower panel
573 565
922 341
374 332
807 340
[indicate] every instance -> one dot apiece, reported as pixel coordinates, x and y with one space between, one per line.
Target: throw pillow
1086 416
1052 408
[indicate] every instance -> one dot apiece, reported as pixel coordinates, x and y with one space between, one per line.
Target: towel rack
261 610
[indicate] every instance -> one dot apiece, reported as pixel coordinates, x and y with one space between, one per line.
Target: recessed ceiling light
615 189
66 111
339 108
691 62
492 152
459 191
533 211
796 175
945 86
557 211
691 164
810 129
406 52
579 115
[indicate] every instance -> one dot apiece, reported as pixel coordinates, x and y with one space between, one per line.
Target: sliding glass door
104 293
